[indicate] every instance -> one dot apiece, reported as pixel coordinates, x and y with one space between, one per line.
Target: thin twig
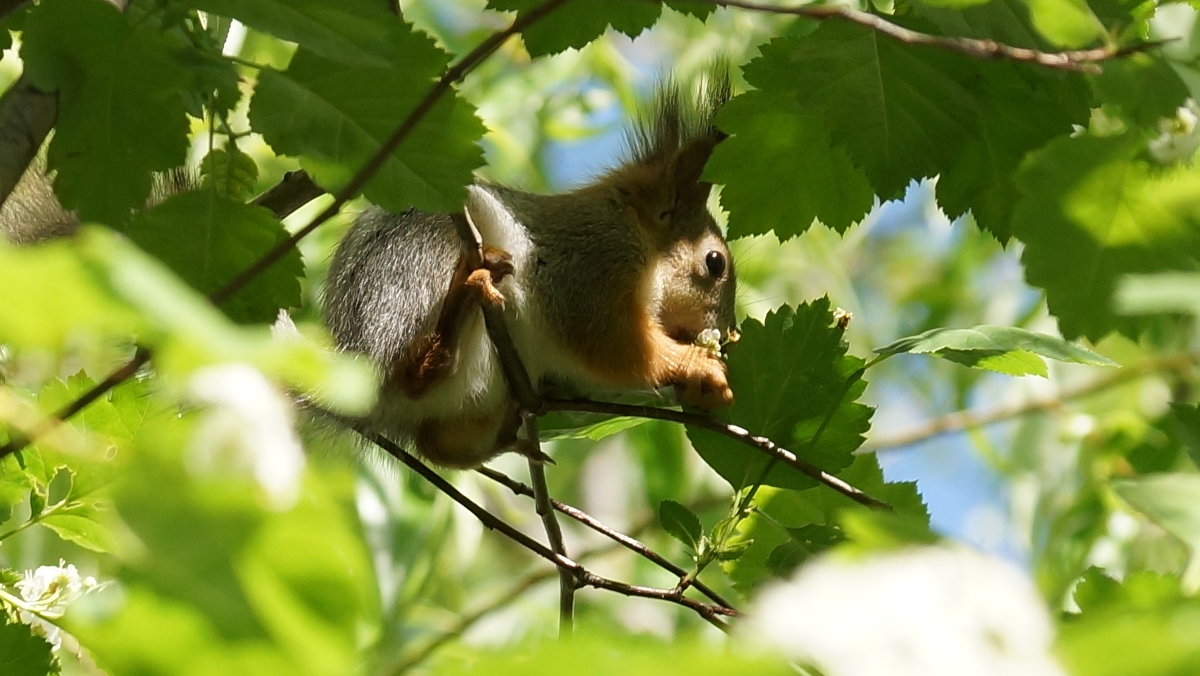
517 378
1079 60
584 577
732 431
465 622
595 524
964 420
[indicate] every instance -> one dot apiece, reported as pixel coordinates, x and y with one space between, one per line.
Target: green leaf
207 240
1168 499
1004 349
1143 87
579 22
1091 213
680 523
80 523
320 111
121 112
700 10
229 173
788 375
189 333
1158 293
1140 590
22 653
900 111
1015 113
769 185
1069 23
349 31
1187 426
14 486
51 276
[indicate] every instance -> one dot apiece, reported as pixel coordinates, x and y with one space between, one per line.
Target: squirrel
607 286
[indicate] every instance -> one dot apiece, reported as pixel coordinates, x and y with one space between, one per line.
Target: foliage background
1052 191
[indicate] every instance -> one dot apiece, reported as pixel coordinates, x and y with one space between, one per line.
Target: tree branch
583 577
964 420
1079 60
763 444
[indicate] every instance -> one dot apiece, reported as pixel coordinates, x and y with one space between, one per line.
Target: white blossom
928 611
45 594
1179 136
247 429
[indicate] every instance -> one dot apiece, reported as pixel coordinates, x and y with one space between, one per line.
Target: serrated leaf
1089 213
1168 499
898 110
121 112
22 653
208 240
769 185
229 173
579 22
1013 115
1004 349
320 111
788 375
680 523
349 31
700 10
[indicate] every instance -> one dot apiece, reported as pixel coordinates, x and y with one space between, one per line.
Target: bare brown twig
583 577
732 431
964 420
595 524
1080 60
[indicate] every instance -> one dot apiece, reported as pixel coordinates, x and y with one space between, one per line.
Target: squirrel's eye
715 262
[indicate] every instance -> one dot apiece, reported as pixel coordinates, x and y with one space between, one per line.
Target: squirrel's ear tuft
669 146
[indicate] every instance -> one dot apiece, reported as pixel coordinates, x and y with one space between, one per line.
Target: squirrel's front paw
703 383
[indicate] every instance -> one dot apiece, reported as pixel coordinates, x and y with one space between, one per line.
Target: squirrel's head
694 278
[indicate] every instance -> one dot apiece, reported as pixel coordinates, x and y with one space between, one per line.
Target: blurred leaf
1156 293
22 653
14 486
50 276
1004 349
1069 23
1143 590
789 375
319 110
680 523
192 334
1145 88
1091 213
1187 426
1168 499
